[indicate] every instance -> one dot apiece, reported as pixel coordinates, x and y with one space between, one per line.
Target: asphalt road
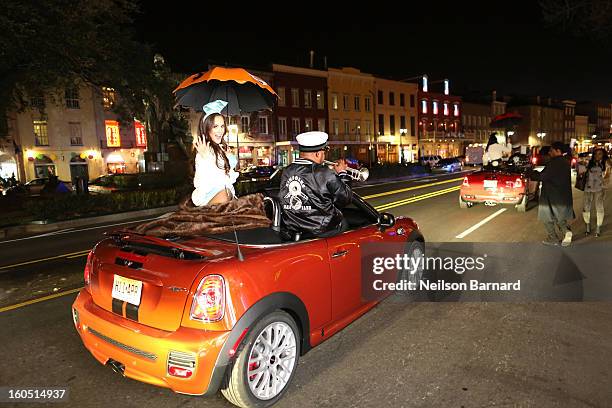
412 355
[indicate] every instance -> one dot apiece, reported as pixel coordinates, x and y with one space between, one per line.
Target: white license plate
128 290
490 184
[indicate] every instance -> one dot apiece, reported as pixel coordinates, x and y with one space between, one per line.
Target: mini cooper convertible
231 312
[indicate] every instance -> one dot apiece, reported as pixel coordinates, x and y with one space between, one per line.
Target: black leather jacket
310 195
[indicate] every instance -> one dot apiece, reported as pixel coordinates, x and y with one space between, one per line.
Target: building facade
351 112
59 135
396 121
439 121
302 107
600 121
542 121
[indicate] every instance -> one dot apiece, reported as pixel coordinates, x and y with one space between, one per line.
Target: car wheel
522 206
265 364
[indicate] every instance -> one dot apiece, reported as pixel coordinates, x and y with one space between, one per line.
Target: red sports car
506 184
193 316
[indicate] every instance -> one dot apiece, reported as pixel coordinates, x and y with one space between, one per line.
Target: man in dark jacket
311 194
556 203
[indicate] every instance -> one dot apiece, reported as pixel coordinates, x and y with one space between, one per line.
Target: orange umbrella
243 91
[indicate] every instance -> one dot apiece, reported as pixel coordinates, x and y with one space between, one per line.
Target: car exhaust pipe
116 366
490 203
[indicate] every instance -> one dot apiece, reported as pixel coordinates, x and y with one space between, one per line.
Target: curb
19 230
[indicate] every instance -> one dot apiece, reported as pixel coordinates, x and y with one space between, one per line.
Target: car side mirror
386 220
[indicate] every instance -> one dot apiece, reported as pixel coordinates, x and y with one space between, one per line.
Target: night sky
478 48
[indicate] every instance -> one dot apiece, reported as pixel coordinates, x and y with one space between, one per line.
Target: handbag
581 179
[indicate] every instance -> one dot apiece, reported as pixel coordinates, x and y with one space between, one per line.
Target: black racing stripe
131 311
118 306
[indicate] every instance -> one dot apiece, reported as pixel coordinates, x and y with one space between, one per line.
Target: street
471 354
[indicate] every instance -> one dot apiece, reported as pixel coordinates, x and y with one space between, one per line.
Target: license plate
490 184
128 290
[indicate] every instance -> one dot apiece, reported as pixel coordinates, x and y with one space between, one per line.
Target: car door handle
339 253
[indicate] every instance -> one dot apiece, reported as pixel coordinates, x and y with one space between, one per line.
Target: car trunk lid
148 280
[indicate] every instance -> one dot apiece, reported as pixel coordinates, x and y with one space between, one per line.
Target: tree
584 18
48 45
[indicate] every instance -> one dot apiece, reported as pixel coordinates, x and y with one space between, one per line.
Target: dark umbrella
243 91
506 120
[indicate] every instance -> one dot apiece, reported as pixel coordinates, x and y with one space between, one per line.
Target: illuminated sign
446 87
425 87
112 133
141 134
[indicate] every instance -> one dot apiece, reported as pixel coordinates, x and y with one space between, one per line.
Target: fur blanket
246 212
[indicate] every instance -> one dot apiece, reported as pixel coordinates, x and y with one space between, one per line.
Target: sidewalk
43 226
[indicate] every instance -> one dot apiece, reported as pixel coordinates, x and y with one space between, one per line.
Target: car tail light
466 182
209 301
87 271
181 364
518 183
574 161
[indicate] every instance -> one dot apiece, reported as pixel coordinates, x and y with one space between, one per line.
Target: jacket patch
297 199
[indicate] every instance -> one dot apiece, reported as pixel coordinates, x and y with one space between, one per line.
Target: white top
209 179
496 152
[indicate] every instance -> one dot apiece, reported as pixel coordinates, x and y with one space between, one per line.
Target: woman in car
495 151
214 164
597 172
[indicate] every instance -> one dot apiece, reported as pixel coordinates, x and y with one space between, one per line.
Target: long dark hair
492 141
204 129
604 159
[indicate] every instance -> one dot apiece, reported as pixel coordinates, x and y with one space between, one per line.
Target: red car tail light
209 300
87 271
466 182
518 183
574 161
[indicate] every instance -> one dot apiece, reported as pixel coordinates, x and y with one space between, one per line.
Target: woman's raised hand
201 146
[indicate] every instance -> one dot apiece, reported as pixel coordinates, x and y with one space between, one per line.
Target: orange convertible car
194 316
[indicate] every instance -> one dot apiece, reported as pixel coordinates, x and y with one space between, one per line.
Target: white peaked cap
312 141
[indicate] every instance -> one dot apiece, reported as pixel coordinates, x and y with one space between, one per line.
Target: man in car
311 194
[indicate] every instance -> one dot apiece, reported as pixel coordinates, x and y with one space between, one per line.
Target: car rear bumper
144 351
480 197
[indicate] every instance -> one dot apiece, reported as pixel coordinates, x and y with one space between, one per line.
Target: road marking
69 230
70 255
416 198
38 300
402 190
480 224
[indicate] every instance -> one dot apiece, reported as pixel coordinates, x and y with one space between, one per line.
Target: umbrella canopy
506 120
243 91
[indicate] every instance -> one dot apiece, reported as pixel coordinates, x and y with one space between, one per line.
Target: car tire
522 206
416 250
241 388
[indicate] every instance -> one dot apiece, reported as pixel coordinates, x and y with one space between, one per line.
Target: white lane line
69 231
480 224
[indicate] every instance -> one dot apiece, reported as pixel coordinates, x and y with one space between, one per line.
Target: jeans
598 197
553 228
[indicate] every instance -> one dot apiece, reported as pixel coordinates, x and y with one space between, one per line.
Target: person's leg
586 210
599 207
220 197
551 230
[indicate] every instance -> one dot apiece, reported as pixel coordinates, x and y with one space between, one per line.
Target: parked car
191 315
258 173
430 160
33 187
448 165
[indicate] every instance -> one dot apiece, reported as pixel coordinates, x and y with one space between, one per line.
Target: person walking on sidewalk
597 179
556 204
